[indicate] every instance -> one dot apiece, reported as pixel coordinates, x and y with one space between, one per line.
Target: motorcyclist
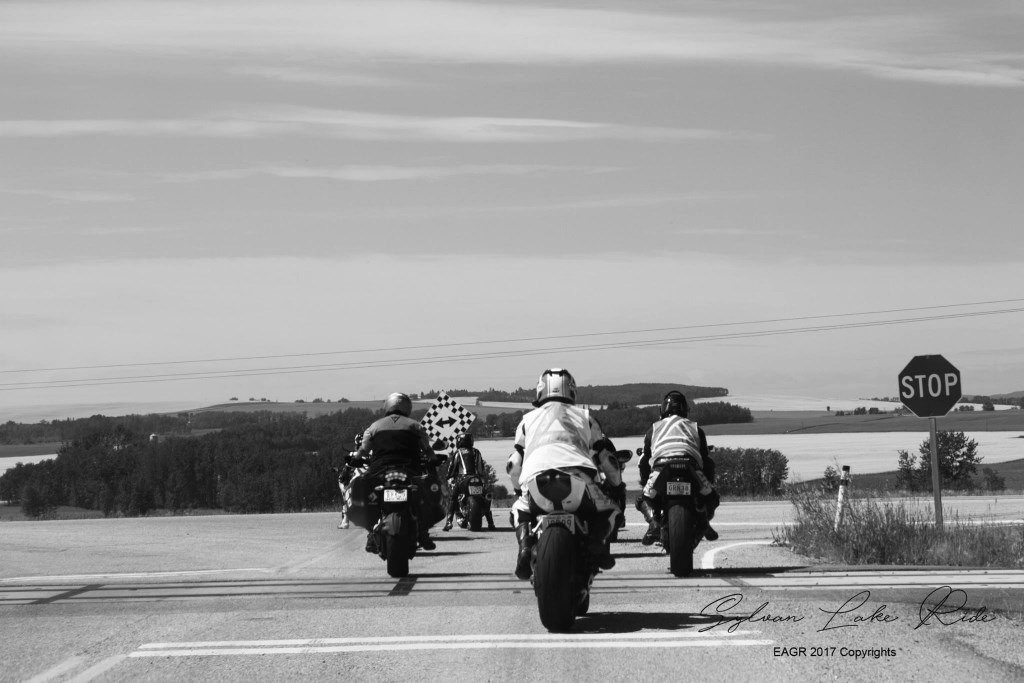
671 436
346 474
466 461
396 440
560 435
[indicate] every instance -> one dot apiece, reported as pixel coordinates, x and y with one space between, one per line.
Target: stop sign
929 386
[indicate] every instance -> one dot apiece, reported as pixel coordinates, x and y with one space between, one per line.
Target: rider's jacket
467 461
554 436
395 440
674 436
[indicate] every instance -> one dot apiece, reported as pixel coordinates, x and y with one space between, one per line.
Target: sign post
930 387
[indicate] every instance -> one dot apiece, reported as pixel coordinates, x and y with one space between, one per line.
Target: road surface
291 597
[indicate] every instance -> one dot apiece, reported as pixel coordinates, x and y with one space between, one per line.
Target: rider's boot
371 542
448 523
425 541
490 522
524 566
643 504
344 520
600 545
711 503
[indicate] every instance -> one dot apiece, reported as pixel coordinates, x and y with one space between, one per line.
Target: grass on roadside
888 532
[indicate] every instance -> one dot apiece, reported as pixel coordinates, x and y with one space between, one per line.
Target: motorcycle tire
476 514
398 555
553 578
681 525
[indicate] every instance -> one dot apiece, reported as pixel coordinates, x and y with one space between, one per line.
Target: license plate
566 520
396 495
677 488
476 490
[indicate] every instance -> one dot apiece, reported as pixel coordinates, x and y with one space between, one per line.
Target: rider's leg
711 503
645 504
522 519
604 525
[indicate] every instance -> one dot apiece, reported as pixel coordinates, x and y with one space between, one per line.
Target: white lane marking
98 669
488 642
708 561
55 671
483 637
443 646
134 575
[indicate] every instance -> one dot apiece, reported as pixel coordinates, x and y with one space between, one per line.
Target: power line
426 360
509 341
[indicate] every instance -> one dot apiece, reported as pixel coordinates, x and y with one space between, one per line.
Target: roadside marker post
930 387
844 482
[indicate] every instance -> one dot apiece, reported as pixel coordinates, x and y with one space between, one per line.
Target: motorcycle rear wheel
476 514
680 540
398 555
553 579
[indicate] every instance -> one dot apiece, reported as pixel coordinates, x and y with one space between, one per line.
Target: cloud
935 44
322 77
73 195
370 174
366 126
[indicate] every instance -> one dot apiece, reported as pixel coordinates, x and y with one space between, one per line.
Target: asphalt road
291 597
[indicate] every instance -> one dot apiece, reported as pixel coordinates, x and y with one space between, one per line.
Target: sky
306 199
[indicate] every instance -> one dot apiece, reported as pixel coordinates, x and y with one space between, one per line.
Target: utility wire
397 362
509 341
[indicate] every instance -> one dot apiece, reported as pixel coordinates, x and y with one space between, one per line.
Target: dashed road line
57 671
131 575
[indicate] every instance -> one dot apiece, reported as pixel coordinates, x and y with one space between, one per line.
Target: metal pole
844 481
936 479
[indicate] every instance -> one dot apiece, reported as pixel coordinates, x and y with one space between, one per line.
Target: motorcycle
680 511
564 556
388 505
474 503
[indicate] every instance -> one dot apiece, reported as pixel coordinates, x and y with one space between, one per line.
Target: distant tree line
71 428
620 421
283 465
262 461
958 464
635 394
750 471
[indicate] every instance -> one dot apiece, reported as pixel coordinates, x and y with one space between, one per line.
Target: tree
830 480
958 461
993 482
33 501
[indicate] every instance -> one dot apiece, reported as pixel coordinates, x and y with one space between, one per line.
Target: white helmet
555 384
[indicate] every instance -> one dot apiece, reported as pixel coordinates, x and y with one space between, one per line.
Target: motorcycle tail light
554 485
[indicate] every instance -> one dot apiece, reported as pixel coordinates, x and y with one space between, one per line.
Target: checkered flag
446 420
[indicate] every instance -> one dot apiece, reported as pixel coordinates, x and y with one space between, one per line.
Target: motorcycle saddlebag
432 508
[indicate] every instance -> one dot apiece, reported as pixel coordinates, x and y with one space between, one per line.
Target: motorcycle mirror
640 451
623 456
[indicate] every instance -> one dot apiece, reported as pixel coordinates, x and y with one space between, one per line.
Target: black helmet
398 403
674 403
465 441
